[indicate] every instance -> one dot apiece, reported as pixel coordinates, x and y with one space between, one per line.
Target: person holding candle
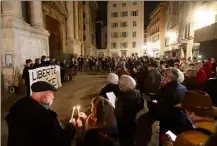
100 125
31 122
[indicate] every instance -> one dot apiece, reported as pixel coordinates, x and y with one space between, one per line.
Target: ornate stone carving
58 6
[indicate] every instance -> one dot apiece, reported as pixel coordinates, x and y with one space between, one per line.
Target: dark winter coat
36 65
210 87
129 103
152 81
171 94
32 124
191 84
25 75
101 137
110 88
141 75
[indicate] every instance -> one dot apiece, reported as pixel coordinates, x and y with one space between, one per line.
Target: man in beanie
32 123
200 111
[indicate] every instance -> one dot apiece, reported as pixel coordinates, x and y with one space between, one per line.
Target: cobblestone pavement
80 91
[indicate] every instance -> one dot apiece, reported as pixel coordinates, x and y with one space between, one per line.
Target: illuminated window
134 13
124 34
134 34
123 24
114 14
124 45
114 25
114 35
124 14
134 3
134 44
134 23
114 45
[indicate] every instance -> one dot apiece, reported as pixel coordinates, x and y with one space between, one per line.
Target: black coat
36 65
152 81
25 75
210 87
127 106
110 88
32 124
101 137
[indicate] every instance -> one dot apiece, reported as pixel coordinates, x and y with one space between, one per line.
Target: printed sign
112 98
50 74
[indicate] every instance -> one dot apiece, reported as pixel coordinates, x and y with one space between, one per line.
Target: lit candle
78 107
73 111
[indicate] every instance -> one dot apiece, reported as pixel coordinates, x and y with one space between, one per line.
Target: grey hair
172 73
113 78
127 83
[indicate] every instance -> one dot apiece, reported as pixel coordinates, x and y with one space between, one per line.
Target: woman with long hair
100 125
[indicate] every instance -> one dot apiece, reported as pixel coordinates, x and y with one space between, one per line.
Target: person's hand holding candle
72 120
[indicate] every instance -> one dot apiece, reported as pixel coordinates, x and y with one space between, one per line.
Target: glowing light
203 18
172 37
78 107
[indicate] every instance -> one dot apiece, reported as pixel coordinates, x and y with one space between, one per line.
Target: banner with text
50 74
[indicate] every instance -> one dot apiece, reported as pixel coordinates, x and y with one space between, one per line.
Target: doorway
53 26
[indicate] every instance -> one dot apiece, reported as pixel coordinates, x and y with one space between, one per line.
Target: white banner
50 74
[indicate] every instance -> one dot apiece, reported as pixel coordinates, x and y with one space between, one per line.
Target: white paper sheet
112 98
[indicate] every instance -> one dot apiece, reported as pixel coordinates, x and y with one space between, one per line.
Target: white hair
127 83
113 78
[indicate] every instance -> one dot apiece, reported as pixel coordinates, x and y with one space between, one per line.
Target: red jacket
207 67
201 77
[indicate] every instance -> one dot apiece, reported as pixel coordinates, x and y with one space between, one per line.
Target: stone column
12 8
70 20
76 20
36 18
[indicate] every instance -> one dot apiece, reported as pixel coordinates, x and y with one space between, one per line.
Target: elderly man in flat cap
32 123
200 111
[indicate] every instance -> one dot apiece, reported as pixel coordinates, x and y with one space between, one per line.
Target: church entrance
53 26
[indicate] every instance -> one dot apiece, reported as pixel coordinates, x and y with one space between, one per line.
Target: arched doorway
53 26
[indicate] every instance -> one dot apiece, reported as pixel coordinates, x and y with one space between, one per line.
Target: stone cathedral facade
31 29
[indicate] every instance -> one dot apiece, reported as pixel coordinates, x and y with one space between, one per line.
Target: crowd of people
181 94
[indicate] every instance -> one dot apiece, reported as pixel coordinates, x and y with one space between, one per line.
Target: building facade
31 29
185 27
206 29
145 42
90 8
156 31
125 27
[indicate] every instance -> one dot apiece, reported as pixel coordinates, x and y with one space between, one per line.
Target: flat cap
41 86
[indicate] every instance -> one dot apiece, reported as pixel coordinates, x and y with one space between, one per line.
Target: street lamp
203 18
